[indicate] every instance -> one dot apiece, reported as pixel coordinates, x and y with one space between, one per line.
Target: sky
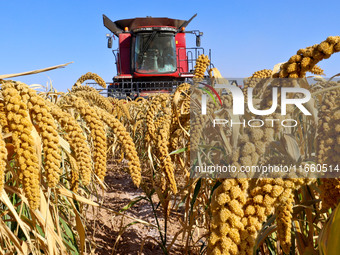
244 36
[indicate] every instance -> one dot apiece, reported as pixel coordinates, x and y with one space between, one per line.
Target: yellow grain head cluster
162 141
137 112
330 192
326 132
181 103
179 128
3 119
202 63
328 143
3 150
227 228
21 127
182 87
251 146
197 124
263 196
152 111
175 139
47 129
92 96
74 136
3 159
284 220
305 59
265 73
256 80
167 120
121 110
317 70
91 76
126 143
74 174
96 126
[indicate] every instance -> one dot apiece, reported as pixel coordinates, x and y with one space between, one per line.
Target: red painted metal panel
182 63
125 53
118 64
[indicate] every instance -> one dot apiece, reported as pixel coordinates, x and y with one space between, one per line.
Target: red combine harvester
152 56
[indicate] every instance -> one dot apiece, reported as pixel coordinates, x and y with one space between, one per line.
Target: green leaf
132 203
218 183
194 197
68 231
178 151
329 239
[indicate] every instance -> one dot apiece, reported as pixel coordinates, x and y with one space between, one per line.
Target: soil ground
105 225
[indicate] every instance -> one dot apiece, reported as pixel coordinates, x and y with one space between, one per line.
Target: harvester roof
143 22
118 26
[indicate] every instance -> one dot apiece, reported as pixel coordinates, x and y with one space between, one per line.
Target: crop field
81 173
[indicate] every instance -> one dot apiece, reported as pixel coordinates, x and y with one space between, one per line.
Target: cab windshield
155 52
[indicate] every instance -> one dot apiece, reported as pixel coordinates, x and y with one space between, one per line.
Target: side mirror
109 42
198 41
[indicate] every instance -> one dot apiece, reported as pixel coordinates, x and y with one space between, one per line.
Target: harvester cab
152 56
